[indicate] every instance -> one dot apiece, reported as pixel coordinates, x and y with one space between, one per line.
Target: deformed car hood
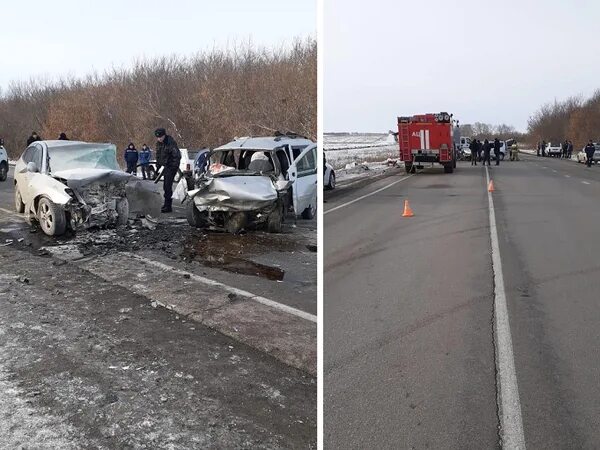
236 193
83 177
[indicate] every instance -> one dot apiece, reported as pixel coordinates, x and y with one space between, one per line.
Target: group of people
482 151
34 137
566 149
133 157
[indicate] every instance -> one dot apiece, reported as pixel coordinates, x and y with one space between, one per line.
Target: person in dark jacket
497 151
63 137
565 149
131 158
473 147
479 150
589 153
33 138
487 147
570 150
543 148
145 156
169 156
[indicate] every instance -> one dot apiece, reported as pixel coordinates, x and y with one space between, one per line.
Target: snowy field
342 149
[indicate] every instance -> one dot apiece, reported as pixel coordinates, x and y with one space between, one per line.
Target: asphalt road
165 338
409 308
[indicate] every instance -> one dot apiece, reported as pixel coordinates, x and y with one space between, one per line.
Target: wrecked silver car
233 188
69 184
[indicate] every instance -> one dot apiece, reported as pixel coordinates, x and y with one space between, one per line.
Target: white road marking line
585 182
511 422
233 290
366 195
567 176
544 167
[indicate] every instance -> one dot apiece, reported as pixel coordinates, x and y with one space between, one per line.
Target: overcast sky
72 37
486 61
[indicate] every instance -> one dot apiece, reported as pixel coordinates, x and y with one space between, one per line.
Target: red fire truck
427 138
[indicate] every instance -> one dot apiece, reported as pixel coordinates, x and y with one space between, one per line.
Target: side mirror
32 167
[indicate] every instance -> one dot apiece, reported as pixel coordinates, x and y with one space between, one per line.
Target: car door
303 174
22 176
37 156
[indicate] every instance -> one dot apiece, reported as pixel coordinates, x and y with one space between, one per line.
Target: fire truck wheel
448 168
454 164
409 168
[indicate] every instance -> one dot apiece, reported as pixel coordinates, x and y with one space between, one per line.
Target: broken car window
84 156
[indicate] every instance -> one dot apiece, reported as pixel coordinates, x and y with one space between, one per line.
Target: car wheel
501 156
19 205
51 217
3 171
275 221
151 172
331 181
122 211
194 217
236 222
309 213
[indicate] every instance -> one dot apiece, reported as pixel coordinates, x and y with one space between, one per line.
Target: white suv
3 163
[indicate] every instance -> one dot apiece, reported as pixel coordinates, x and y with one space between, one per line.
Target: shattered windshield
84 156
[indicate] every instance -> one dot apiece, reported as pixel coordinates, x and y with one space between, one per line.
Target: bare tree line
575 118
480 130
203 101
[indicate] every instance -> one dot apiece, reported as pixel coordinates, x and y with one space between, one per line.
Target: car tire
309 213
122 211
51 217
236 222
275 221
331 184
19 205
151 172
501 156
194 217
3 171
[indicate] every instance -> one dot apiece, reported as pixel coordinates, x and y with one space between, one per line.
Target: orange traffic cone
407 211
491 186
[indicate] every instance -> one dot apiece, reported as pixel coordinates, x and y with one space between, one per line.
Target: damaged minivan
70 184
253 182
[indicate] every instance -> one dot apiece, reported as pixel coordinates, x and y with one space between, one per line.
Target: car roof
263 143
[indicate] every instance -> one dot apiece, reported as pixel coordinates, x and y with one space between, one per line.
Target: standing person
473 147
565 149
145 156
539 147
543 148
497 151
514 152
479 150
170 157
131 158
570 150
486 152
33 138
63 137
589 153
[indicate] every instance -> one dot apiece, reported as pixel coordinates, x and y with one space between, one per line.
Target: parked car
464 152
254 181
3 163
328 175
582 156
70 184
554 149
